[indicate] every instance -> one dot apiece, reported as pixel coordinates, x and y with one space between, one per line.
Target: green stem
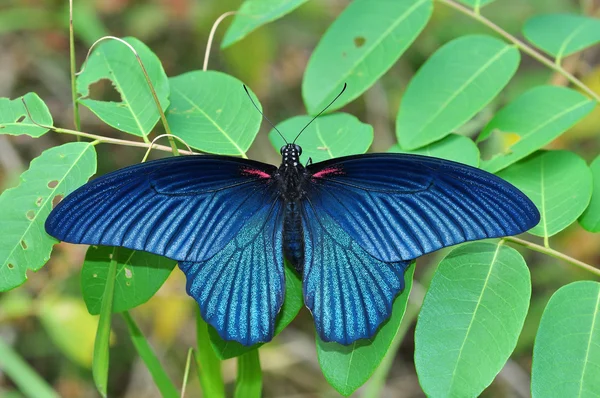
553 253
249 377
207 363
24 376
522 46
76 118
186 372
101 345
161 379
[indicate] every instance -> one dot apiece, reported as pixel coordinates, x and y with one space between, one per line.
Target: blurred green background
46 321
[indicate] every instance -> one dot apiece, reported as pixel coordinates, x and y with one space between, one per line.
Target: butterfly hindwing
399 207
186 208
349 292
240 289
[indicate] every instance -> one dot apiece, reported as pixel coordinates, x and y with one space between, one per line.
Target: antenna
319 114
263 115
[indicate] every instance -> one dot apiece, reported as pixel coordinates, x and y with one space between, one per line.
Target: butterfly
350 227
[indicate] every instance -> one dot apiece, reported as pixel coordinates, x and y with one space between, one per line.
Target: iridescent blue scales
350 227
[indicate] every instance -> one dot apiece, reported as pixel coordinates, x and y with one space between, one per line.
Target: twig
76 118
212 35
553 253
522 46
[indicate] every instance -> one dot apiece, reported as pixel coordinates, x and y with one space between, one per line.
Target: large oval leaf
14 119
348 367
566 355
139 276
453 147
558 182
24 243
360 46
211 112
292 304
136 113
562 34
253 14
331 136
590 219
471 319
455 83
537 117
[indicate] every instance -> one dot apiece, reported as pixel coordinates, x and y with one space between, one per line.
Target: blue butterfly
350 226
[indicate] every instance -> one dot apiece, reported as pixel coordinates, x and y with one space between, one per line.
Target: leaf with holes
348 367
566 355
471 319
292 304
331 136
538 116
15 121
139 276
24 243
365 40
562 34
558 182
453 147
590 219
255 13
455 83
136 113
211 112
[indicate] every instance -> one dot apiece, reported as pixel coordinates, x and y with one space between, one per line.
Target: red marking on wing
328 171
256 172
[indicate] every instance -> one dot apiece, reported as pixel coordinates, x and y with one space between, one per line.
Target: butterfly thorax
292 176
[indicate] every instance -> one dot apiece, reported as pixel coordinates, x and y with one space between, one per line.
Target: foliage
454 106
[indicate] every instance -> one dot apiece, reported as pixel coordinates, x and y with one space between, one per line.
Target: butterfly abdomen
293 236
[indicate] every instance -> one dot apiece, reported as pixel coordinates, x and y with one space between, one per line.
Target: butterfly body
350 227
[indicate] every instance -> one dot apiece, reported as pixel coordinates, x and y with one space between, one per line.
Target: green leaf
292 304
558 182
538 116
139 276
471 318
590 219
566 355
101 346
15 121
453 147
348 367
211 112
562 34
208 365
455 83
136 113
365 40
24 243
255 13
70 327
159 375
475 3
249 376
30 383
328 137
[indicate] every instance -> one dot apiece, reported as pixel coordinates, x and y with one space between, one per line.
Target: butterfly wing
399 207
240 289
186 208
220 217
365 218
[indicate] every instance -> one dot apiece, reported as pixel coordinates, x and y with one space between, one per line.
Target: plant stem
207 363
211 36
76 118
249 376
116 141
553 253
522 46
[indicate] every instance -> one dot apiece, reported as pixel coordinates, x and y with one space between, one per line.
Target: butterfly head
290 155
